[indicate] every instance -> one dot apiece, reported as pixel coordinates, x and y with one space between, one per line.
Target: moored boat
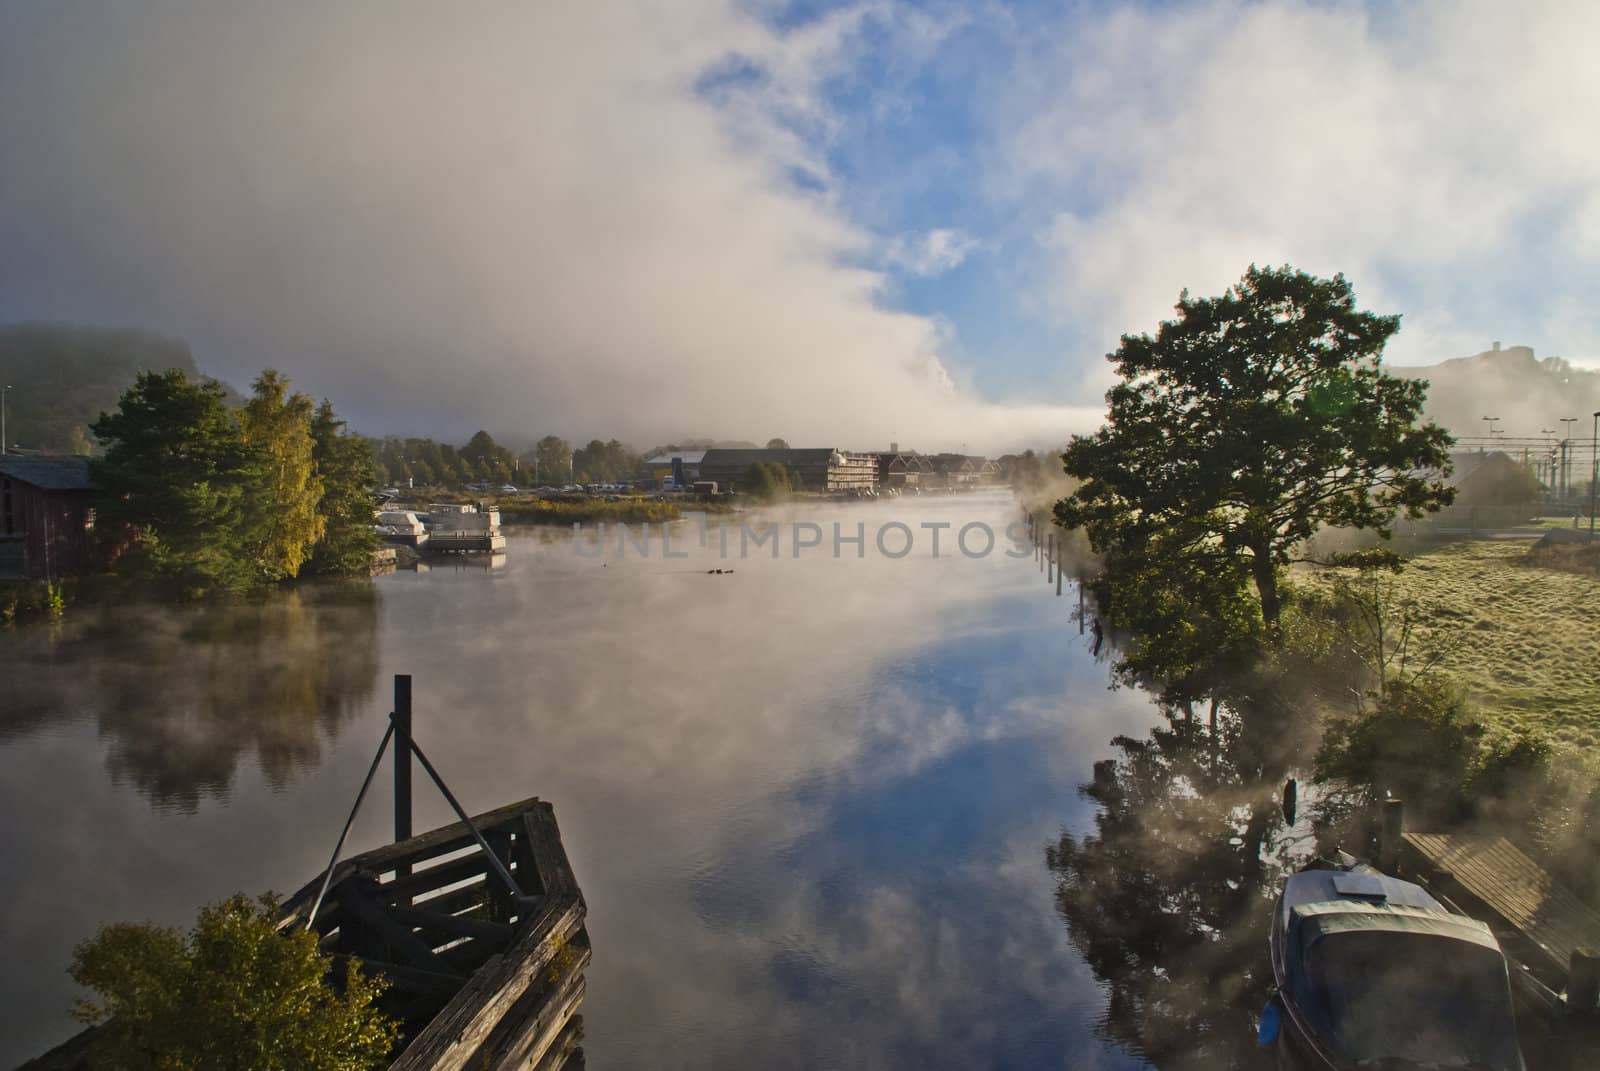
1374 973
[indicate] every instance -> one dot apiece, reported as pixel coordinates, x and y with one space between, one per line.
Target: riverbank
1510 626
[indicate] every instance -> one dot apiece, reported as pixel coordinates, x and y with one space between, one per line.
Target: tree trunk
1266 574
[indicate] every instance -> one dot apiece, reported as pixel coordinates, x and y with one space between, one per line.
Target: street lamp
1492 421
1566 468
5 390
1594 473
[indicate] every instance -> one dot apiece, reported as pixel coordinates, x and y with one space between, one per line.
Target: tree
765 481
552 458
345 464
78 442
175 479
284 521
1248 422
777 444
236 994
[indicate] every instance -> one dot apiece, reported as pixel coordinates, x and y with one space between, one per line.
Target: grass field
1522 640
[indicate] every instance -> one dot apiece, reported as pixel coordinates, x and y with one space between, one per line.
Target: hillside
1527 394
63 376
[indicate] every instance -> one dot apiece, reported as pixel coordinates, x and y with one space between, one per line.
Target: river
826 811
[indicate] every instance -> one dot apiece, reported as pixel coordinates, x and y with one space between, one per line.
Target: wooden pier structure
481 976
478 927
1550 936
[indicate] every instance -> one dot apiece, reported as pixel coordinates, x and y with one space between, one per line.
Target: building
818 469
46 516
1493 490
680 465
903 471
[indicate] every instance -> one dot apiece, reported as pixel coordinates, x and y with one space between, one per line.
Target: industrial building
819 469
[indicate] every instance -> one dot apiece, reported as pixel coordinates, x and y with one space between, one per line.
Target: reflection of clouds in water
805 801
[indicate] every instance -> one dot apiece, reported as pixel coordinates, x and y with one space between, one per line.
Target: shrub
236 994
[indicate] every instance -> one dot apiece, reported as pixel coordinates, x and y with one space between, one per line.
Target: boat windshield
1383 999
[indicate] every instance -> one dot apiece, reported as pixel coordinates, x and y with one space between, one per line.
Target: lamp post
1492 420
1566 465
1594 471
5 390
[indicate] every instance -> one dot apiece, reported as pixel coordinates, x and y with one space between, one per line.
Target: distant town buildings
815 469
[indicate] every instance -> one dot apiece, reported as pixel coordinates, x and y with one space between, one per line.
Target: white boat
465 528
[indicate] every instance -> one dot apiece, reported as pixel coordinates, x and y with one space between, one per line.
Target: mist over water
807 802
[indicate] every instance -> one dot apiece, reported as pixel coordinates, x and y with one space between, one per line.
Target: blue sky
834 222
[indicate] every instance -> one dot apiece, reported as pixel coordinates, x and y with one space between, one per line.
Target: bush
1421 743
236 994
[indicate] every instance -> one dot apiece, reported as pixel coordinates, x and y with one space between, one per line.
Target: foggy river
809 803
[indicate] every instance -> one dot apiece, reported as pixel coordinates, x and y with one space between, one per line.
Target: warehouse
819 469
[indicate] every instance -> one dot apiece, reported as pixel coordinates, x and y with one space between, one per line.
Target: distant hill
1527 393
696 443
63 376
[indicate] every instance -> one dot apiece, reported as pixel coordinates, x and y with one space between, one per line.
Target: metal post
5 390
1594 471
1583 981
1394 829
402 757
327 875
494 860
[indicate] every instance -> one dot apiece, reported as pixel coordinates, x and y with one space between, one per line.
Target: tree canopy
177 474
1248 422
209 500
235 994
345 465
284 522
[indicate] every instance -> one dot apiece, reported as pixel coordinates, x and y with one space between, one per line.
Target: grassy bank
556 511
1514 631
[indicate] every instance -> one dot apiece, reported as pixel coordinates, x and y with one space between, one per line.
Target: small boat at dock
461 529
1374 973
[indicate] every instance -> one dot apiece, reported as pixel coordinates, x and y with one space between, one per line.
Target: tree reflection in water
1169 899
181 695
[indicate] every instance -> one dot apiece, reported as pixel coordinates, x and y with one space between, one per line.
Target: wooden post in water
1080 606
1058 581
1393 832
1050 556
402 757
1583 981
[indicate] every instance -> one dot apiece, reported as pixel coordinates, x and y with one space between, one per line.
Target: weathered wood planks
1513 886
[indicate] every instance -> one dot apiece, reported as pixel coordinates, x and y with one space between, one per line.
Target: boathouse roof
49 472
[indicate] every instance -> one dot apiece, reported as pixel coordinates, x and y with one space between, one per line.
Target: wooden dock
1517 890
1550 935
482 978
478 927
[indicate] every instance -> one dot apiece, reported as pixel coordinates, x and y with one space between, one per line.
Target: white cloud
933 253
530 219
1439 154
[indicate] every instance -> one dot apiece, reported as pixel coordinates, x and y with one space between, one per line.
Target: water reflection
180 696
805 801
1169 898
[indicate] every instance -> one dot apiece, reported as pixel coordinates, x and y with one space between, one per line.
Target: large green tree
1248 422
176 479
235 994
552 459
284 523
345 465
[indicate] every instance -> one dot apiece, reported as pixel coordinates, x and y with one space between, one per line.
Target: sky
843 223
